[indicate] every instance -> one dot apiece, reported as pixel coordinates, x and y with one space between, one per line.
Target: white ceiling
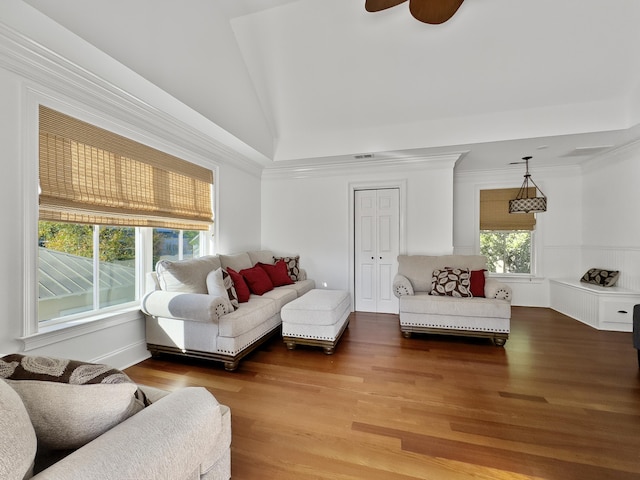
313 80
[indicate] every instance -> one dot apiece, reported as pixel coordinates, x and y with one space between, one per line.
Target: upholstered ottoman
317 318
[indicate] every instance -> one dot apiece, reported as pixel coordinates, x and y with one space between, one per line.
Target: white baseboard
126 356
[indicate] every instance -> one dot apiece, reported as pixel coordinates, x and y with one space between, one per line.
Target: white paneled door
377 244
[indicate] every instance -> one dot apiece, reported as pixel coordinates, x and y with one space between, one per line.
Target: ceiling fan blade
434 11
378 5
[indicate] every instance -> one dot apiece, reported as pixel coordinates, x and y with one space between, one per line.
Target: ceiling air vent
363 155
587 151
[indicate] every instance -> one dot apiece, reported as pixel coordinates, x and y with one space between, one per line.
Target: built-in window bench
604 308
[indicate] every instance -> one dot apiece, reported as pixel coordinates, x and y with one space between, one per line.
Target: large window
107 203
506 239
83 268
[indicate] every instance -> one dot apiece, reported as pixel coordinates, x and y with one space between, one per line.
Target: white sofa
184 435
422 312
183 319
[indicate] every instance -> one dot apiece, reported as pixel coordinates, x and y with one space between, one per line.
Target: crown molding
333 167
517 170
40 65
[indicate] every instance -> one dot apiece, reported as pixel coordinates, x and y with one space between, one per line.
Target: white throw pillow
217 288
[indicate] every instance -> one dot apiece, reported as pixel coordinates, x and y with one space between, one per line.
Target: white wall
238 213
79 75
611 227
558 230
311 216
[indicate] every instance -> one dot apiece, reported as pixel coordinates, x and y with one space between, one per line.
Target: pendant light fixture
523 203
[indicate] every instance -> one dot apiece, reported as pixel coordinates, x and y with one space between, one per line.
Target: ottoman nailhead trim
313 337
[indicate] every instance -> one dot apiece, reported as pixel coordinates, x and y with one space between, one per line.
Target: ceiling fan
427 11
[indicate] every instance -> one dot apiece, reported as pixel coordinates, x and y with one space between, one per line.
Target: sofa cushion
454 306
240 285
602 277
277 272
281 295
261 256
418 269
248 316
293 266
472 262
189 276
451 282
302 286
237 261
477 282
217 288
18 440
69 402
257 280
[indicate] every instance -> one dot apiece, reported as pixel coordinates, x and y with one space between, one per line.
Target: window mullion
96 267
181 245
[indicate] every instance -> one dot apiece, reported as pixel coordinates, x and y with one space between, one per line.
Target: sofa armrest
198 307
402 286
496 289
171 439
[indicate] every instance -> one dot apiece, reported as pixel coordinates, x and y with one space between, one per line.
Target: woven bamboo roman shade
92 176
494 211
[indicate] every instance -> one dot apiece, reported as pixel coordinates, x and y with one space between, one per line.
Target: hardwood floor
560 401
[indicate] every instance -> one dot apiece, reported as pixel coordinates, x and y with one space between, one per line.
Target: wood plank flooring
560 401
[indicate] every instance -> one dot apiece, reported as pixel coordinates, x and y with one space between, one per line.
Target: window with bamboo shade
506 239
93 176
95 186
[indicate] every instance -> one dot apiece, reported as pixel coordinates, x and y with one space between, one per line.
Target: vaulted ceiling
313 80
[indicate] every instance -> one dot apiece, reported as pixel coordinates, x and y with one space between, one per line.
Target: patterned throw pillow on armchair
451 282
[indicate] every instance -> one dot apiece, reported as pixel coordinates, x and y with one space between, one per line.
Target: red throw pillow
477 283
278 273
257 279
242 290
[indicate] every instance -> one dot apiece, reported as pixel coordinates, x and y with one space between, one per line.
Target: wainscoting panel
574 303
604 308
625 259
